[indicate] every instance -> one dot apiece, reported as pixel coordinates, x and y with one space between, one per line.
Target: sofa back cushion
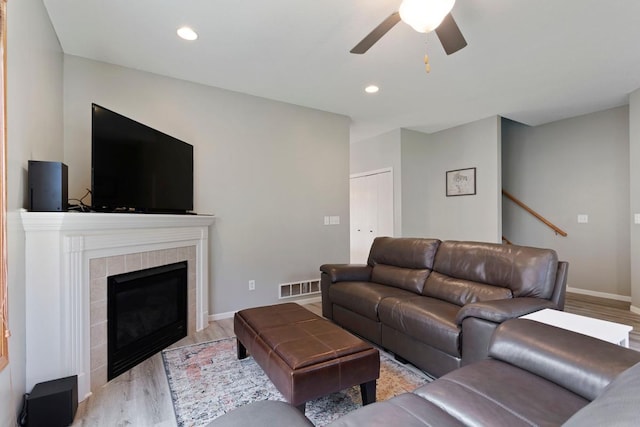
460 291
407 252
402 262
404 278
526 271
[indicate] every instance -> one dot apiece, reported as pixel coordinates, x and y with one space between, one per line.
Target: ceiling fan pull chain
427 66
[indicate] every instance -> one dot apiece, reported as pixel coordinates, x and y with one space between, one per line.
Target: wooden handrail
534 213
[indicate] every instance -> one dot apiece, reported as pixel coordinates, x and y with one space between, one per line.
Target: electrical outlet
252 285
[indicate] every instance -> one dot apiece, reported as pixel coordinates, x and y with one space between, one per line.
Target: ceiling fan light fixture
425 15
372 89
187 33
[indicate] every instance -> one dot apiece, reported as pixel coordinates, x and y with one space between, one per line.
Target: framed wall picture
461 182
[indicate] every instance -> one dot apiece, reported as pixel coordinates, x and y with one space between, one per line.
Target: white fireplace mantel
59 247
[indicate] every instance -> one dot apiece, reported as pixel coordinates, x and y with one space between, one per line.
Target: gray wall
269 171
570 167
416 150
381 152
34 124
634 196
419 163
476 217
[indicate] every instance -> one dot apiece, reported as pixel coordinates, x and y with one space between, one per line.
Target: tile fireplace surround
69 256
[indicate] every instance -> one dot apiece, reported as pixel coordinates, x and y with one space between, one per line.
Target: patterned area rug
207 380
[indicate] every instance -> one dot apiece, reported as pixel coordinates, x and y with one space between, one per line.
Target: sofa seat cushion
494 393
425 319
406 410
364 298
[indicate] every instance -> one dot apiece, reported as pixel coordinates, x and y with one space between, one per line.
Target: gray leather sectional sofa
436 303
536 375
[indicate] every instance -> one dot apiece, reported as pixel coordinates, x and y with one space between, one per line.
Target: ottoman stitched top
300 337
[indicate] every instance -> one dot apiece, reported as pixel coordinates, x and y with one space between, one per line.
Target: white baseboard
599 294
634 309
228 314
220 316
308 300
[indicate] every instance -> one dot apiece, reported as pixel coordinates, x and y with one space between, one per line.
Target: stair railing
534 213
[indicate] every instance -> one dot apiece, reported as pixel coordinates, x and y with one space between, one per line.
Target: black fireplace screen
146 312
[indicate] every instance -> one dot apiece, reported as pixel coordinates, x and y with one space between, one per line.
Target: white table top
601 329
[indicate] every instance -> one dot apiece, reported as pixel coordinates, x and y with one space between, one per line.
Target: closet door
371 211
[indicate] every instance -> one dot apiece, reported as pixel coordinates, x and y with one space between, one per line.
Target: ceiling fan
423 16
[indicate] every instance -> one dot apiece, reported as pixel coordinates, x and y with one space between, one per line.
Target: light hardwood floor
140 397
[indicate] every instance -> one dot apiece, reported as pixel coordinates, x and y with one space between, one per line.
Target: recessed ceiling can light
187 33
371 89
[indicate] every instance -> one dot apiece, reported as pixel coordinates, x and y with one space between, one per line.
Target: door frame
393 196
372 172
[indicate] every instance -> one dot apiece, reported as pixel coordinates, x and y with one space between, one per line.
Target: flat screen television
135 168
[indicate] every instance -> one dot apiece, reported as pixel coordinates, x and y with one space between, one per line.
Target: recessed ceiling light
187 33
371 89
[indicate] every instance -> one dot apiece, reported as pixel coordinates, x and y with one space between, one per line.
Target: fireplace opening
146 312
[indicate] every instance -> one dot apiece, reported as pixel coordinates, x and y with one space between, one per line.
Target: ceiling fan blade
450 36
377 33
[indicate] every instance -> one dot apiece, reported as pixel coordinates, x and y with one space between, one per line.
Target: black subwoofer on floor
53 403
48 186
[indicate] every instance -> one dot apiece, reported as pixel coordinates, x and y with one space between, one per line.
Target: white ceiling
533 61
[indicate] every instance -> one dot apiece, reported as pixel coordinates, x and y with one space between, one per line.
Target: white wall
34 123
269 171
381 152
570 167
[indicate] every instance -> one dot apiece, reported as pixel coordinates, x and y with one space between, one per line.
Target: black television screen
135 168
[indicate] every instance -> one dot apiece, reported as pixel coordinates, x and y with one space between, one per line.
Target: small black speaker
48 186
53 403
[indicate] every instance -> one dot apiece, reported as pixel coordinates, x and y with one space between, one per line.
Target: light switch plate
636 218
583 219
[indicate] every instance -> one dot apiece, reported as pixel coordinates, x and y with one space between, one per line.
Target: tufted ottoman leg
368 392
241 350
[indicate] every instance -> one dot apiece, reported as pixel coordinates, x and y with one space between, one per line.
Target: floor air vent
296 289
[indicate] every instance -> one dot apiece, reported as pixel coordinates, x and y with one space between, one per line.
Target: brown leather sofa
536 375
436 304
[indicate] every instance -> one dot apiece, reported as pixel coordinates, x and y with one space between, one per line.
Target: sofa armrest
347 272
332 273
617 405
582 364
498 311
560 290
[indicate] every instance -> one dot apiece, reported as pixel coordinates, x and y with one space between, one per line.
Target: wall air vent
297 289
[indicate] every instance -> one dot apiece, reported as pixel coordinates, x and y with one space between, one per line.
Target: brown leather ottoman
304 355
